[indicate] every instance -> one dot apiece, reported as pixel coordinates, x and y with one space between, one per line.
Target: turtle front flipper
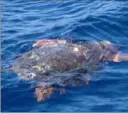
43 92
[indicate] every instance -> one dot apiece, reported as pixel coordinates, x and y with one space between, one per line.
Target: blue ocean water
24 21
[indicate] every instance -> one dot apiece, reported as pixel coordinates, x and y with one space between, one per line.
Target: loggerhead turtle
57 63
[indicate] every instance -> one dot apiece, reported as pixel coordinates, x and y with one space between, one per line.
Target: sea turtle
57 63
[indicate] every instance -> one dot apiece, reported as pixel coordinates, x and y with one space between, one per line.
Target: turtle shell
62 64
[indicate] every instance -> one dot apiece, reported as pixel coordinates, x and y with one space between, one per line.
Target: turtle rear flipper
43 92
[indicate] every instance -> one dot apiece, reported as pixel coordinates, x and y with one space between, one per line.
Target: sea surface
25 21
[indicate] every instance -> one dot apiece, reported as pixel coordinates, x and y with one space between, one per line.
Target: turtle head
109 48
